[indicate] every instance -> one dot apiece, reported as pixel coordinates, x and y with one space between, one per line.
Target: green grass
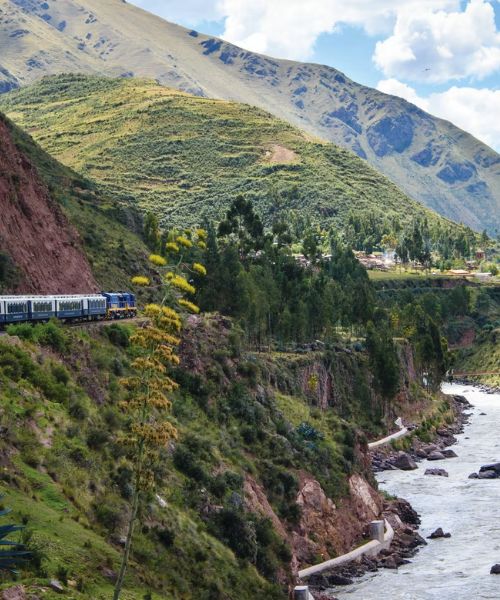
186 158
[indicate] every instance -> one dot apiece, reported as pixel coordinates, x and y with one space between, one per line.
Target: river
456 568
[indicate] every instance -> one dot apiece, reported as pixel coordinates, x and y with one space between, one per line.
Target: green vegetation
185 158
466 316
69 476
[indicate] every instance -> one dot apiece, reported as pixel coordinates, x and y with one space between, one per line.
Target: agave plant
11 553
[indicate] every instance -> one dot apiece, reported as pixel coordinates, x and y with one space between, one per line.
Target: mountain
200 154
56 234
430 159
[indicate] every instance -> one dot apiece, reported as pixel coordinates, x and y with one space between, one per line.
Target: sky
443 55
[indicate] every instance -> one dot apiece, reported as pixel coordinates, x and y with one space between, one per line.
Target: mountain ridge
428 158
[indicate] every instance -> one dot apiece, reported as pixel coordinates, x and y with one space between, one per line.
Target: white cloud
290 28
440 45
472 109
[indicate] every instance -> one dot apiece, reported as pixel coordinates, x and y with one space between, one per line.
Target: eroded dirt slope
34 232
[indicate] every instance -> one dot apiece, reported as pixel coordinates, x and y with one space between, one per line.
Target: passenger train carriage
91 307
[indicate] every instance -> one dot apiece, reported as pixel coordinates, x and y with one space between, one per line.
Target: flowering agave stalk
149 386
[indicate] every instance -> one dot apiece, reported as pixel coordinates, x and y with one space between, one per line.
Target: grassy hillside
114 251
186 157
430 159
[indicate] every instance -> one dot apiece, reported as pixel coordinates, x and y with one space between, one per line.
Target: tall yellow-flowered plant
150 386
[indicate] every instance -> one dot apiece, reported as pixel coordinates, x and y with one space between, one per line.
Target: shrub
25 331
78 410
96 438
166 537
52 335
118 335
108 513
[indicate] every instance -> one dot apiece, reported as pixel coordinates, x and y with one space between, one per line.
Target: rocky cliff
35 235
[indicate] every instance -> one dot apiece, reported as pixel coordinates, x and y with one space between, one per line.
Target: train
67 308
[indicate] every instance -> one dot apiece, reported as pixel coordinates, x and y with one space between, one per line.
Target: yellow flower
157 260
189 305
201 233
140 280
182 284
183 241
152 310
171 247
199 268
202 245
170 313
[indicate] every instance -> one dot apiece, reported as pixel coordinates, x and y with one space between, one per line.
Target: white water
457 568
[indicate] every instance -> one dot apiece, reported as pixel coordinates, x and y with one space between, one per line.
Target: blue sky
443 55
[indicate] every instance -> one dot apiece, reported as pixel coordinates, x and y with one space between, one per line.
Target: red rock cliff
34 231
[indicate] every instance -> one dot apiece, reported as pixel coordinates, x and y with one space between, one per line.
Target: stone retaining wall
371 548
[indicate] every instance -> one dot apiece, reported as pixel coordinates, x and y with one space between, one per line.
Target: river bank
457 568
403 519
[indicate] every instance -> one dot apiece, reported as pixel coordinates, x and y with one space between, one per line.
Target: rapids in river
457 568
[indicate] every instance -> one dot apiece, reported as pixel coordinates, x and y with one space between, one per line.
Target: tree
243 224
152 235
149 386
383 358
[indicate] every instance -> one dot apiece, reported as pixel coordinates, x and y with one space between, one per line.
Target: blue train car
95 306
42 308
69 307
16 309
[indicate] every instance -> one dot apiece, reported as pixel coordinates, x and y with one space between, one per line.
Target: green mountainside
186 158
430 159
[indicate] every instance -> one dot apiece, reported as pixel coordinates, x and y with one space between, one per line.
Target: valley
316 267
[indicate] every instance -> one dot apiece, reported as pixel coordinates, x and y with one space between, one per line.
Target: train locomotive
67 308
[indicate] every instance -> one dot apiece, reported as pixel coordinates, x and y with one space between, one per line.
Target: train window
16 307
42 306
97 303
70 305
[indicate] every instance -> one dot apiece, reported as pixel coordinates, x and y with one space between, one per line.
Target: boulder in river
493 467
448 453
473 476
339 580
487 475
495 570
405 462
439 533
389 562
439 472
435 455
